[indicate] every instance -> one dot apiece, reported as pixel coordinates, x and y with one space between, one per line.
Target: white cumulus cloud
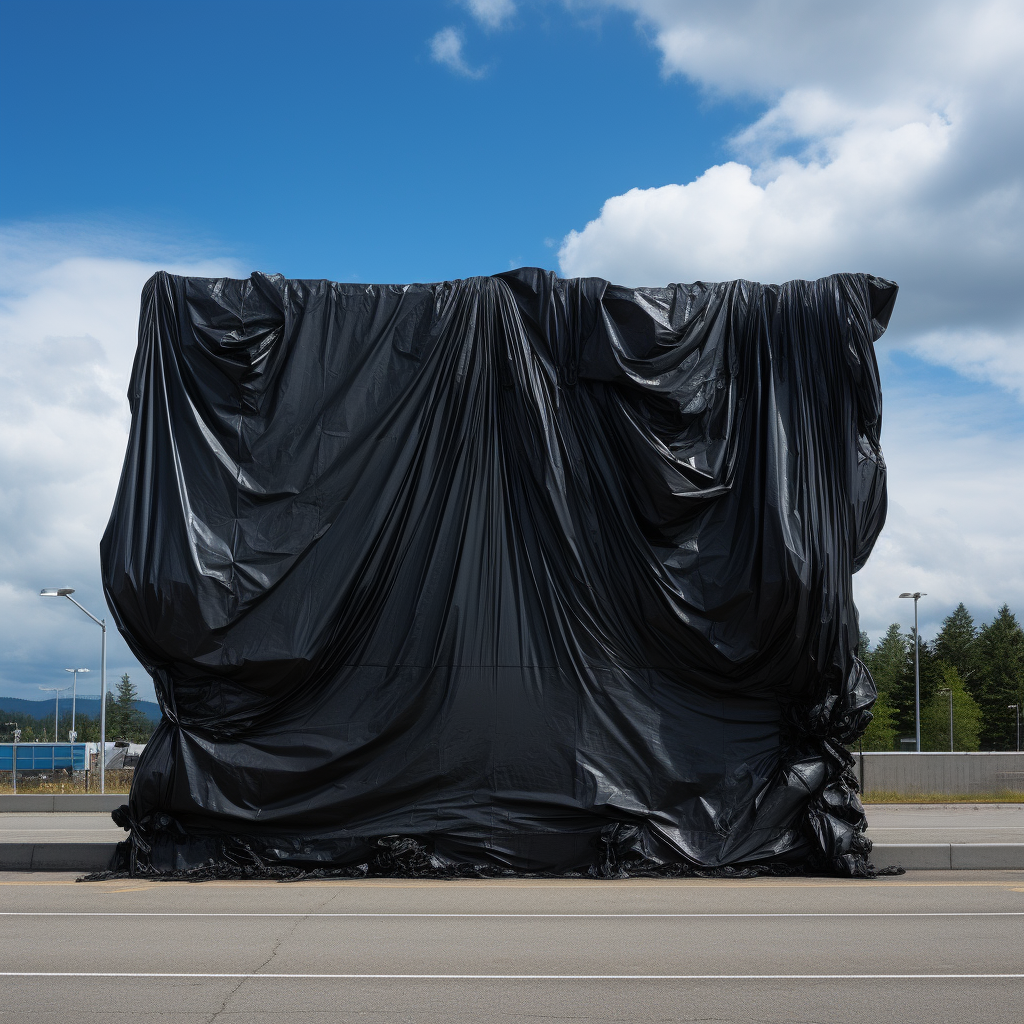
491 13
446 48
69 308
893 143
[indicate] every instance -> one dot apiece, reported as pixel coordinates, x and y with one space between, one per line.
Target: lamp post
14 757
917 595
67 592
56 691
950 692
1016 707
72 735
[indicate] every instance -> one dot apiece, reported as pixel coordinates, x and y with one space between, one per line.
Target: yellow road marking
639 883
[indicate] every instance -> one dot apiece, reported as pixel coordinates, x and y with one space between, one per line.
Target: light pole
56 691
14 757
1016 707
917 595
72 735
950 692
67 592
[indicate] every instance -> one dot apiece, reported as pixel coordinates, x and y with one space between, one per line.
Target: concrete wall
43 803
941 772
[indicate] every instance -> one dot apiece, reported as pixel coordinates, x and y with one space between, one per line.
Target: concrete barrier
946 856
920 856
940 772
56 856
43 803
85 857
993 856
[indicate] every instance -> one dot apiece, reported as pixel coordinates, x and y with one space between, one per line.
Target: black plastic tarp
513 573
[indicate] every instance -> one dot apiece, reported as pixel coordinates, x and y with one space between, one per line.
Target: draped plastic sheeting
505 574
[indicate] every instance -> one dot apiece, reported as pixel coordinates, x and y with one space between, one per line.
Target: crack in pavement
277 945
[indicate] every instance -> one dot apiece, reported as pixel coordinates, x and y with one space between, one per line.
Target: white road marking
509 977
142 913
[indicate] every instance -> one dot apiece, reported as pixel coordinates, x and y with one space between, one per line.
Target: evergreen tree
864 647
935 715
124 720
881 731
885 662
113 723
957 644
1000 679
902 694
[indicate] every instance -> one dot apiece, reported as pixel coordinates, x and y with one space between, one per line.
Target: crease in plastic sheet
504 575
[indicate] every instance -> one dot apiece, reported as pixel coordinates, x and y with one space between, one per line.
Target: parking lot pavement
945 823
920 947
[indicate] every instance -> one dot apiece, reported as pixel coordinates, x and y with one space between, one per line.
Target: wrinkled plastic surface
509 574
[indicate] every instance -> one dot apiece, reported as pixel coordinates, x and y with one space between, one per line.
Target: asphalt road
887 823
946 823
764 950
59 827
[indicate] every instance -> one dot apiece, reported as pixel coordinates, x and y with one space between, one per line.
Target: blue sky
640 140
329 143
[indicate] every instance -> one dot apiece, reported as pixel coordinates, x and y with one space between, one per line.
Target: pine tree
957 644
1000 679
864 646
124 720
902 695
881 731
885 662
935 715
113 723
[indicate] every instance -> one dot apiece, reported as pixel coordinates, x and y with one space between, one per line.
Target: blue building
42 757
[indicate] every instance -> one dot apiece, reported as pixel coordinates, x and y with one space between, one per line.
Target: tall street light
72 736
1016 707
917 595
14 756
56 691
67 592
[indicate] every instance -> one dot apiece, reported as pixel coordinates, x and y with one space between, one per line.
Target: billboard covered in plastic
509 574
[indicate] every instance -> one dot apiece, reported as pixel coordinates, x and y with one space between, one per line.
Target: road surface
943 946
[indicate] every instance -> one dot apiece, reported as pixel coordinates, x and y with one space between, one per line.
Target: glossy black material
511 573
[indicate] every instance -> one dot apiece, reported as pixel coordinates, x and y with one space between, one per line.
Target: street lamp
14 757
56 691
917 595
950 692
67 592
1016 707
72 735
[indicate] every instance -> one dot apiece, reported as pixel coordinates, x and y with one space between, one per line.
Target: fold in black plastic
509 574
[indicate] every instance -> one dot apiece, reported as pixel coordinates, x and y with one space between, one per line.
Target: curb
922 857
56 856
950 856
44 803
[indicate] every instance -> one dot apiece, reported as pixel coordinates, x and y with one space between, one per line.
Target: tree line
124 721
981 667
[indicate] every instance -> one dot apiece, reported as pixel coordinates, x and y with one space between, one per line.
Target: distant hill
84 706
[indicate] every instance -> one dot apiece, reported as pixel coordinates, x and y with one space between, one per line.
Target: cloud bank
68 322
892 142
